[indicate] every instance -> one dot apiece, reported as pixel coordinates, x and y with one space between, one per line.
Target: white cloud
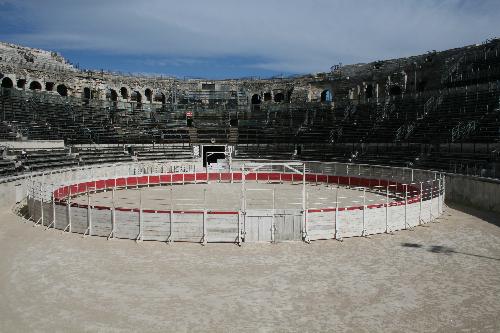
292 35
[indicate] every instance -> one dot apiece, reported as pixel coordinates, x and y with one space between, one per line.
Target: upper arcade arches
326 96
7 83
87 94
35 85
62 90
124 92
148 93
136 96
21 83
279 97
256 99
160 97
112 95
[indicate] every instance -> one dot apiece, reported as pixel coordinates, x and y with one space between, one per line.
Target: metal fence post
89 216
170 236
363 233
439 197
68 227
420 208
387 210
336 213
273 221
304 207
406 206
204 240
431 195
141 227
113 213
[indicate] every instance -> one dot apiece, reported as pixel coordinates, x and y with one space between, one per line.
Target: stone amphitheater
360 199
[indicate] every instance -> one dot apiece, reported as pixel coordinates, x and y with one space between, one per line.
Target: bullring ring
372 200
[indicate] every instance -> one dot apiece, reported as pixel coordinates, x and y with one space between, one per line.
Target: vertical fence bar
439 196
363 232
406 206
141 217
387 209
336 236
273 221
420 208
68 202
304 208
89 215
204 240
113 213
170 236
430 196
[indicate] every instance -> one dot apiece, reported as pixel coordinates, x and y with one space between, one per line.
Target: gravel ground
442 277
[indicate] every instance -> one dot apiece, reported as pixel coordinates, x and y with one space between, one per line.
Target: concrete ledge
35 144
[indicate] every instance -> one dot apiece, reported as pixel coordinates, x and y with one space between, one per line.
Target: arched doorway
62 90
160 97
279 97
256 99
326 96
7 83
136 96
124 92
49 86
21 83
369 91
149 95
35 85
395 90
267 97
112 95
86 93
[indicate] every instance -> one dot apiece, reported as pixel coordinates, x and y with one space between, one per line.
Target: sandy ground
444 277
225 196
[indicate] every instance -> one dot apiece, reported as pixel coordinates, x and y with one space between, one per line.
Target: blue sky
232 38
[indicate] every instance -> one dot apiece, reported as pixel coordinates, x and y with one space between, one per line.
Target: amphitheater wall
480 193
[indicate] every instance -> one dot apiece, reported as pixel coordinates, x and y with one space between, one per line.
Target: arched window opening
395 90
149 95
369 91
279 97
21 83
267 97
326 96
49 86
256 99
7 83
86 93
35 85
112 95
124 92
136 97
160 97
62 90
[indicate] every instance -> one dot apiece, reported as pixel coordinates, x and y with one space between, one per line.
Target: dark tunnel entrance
213 153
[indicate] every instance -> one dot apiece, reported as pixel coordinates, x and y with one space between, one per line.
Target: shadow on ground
439 249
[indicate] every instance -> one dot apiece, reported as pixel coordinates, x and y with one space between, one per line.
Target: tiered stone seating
35 160
93 154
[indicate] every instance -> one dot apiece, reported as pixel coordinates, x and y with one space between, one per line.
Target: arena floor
226 196
442 277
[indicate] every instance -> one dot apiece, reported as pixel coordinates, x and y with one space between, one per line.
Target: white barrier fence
408 198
